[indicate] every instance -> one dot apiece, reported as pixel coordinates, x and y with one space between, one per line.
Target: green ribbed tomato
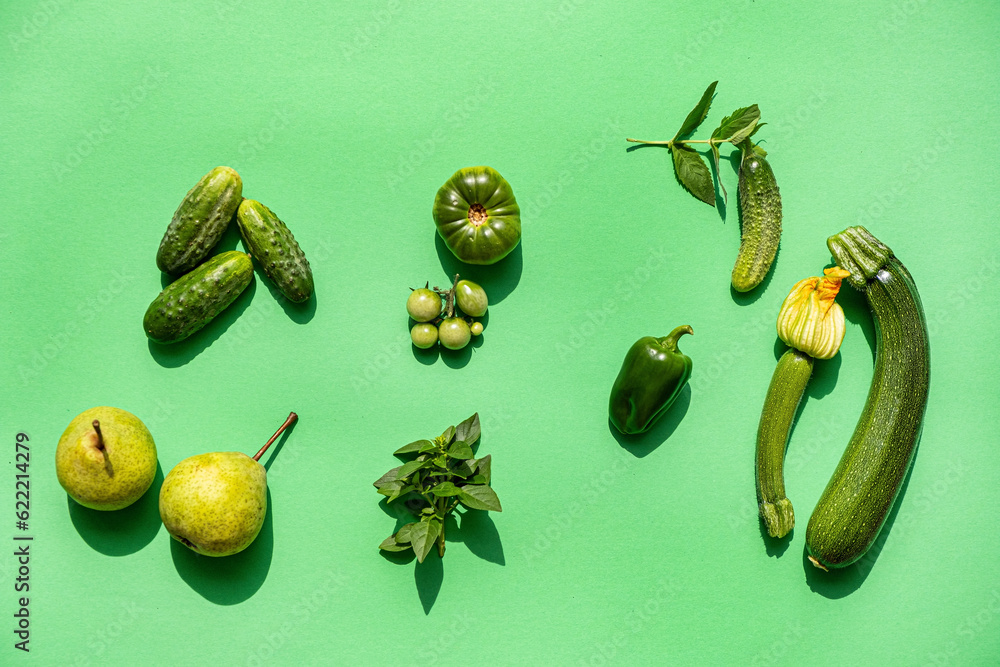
477 216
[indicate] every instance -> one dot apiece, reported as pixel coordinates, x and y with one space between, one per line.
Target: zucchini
863 489
788 384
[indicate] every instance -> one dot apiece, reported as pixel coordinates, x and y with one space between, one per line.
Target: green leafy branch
690 167
438 476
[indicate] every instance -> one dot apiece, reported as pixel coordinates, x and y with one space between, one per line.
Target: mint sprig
439 475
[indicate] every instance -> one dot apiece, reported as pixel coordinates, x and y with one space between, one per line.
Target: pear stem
288 422
100 446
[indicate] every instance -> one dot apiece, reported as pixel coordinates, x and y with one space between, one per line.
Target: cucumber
788 384
271 243
760 213
863 489
200 221
191 301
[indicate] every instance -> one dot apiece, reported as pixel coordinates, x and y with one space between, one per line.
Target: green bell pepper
650 380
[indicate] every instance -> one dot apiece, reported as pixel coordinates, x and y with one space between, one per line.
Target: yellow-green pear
106 458
215 503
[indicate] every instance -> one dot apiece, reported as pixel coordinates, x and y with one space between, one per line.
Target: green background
345 118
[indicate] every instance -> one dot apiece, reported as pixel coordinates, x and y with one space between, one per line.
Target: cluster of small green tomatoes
434 312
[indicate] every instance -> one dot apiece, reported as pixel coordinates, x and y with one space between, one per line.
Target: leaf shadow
499 279
228 580
120 532
841 582
640 445
478 532
174 355
428 577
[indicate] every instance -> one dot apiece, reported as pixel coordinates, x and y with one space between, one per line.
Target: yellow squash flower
810 320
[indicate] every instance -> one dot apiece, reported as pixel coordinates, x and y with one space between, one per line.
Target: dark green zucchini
788 384
868 478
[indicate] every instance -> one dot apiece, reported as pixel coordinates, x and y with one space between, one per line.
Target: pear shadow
228 580
841 582
276 446
173 355
640 445
775 546
499 279
120 532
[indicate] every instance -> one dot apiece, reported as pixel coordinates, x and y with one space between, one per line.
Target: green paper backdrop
345 118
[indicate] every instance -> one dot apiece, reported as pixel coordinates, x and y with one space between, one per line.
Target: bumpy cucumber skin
862 491
760 210
191 301
788 384
271 243
200 221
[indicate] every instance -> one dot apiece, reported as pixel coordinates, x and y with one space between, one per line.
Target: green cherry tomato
424 335
476 328
423 305
471 298
477 216
454 333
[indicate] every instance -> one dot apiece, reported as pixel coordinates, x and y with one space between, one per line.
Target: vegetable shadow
300 313
499 279
824 375
178 354
228 580
775 546
856 310
121 532
643 444
839 583
453 358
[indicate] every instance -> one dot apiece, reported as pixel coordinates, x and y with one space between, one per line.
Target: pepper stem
670 340
288 422
103 449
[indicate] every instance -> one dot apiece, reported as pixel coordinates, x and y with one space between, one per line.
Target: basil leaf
403 534
693 173
390 476
479 497
448 435
428 447
468 431
697 114
401 491
460 450
408 469
422 537
390 544
484 465
715 156
413 447
445 490
738 125
390 488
